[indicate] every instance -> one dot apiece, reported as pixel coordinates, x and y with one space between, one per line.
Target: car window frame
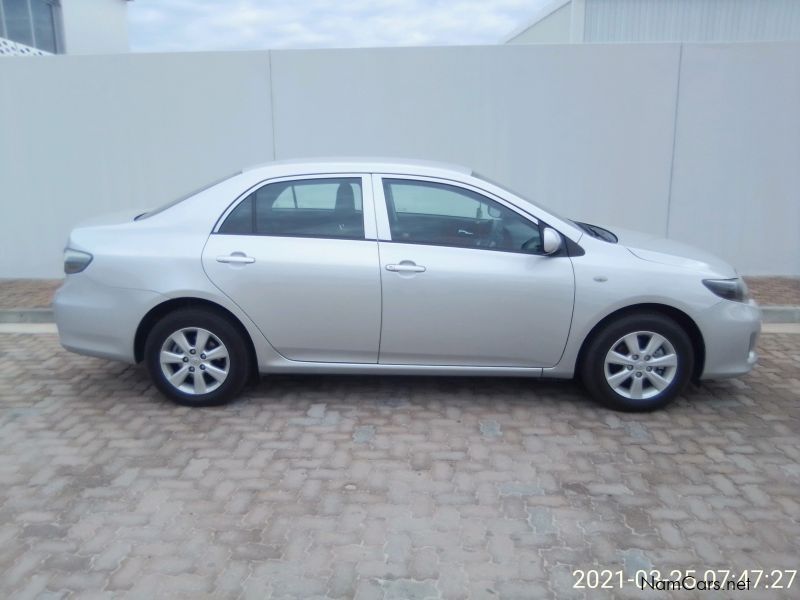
384 225
367 206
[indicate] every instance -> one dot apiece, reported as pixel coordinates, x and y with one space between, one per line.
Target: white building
63 27
611 21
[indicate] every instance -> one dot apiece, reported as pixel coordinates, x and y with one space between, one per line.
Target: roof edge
540 15
371 160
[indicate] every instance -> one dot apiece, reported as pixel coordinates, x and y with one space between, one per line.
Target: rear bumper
99 320
730 331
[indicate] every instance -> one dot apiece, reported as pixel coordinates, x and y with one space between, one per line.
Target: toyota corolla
369 267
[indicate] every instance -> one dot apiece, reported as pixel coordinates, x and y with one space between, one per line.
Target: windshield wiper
597 232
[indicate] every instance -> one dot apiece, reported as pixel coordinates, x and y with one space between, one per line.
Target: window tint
423 212
328 208
241 218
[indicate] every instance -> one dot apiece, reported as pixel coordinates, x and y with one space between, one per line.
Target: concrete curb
26 315
780 314
770 314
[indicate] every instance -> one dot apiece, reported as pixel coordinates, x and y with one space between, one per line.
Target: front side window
423 212
326 208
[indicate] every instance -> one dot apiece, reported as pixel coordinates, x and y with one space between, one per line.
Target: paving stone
491 429
335 487
364 434
407 589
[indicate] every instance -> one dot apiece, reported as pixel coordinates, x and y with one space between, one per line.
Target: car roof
358 165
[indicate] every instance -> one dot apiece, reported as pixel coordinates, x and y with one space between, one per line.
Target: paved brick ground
383 487
38 293
27 293
775 290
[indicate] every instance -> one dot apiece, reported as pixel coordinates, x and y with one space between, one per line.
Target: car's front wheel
197 358
639 362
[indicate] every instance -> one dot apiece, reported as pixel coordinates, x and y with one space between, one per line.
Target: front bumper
100 320
730 331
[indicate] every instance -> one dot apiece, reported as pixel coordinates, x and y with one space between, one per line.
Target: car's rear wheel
639 362
197 358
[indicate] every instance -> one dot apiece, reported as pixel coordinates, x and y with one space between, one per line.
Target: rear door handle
237 258
406 266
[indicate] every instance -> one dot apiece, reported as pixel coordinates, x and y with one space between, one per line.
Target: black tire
593 363
238 361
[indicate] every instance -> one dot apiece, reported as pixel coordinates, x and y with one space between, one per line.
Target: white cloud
185 25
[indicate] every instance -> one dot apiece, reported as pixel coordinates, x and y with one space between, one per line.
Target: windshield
172 203
510 191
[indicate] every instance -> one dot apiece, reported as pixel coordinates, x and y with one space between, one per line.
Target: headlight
730 289
75 261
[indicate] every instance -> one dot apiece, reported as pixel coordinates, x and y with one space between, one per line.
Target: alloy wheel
194 360
640 365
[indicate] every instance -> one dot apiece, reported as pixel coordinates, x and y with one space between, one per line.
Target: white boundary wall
699 142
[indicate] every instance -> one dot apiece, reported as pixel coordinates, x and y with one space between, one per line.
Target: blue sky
188 25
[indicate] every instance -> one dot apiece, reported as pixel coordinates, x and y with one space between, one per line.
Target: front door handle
406 266
237 258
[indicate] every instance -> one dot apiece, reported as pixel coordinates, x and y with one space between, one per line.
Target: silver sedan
367 267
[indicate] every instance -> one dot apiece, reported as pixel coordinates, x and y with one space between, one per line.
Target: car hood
670 252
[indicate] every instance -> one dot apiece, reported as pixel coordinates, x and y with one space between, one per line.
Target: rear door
299 256
465 280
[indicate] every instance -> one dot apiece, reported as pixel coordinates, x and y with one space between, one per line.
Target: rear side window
326 208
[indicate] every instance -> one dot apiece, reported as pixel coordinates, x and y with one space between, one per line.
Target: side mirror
551 241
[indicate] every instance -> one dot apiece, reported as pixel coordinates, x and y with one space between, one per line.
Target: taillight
75 261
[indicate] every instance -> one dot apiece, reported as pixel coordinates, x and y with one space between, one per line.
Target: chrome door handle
236 258
406 266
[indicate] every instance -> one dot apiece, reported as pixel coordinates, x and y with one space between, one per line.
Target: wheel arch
155 314
685 321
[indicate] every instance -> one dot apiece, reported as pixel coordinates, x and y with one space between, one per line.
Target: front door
465 281
296 257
